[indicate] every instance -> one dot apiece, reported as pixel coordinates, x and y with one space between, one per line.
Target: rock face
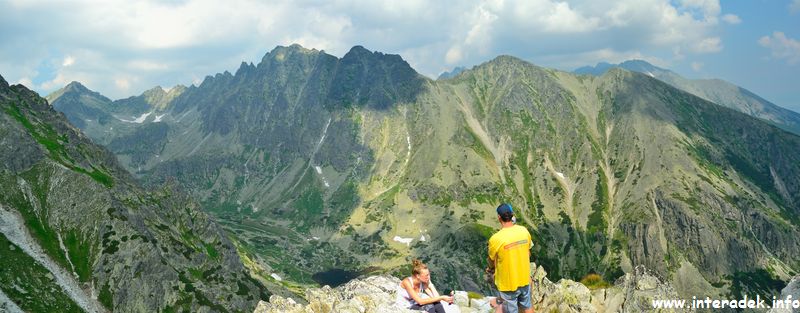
631 293
79 234
371 294
792 293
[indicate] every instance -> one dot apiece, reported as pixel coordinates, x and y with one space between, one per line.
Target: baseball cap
504 209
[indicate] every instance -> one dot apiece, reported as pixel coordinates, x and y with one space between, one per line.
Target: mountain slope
95 240
320 164
714 90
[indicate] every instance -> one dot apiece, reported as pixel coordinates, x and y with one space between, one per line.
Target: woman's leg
437 308
417 307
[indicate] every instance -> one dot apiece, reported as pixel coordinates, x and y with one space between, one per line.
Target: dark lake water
334 277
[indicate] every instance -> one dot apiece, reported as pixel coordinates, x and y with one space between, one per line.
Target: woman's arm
415 295
433 291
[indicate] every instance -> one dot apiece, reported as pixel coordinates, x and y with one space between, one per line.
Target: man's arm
490 259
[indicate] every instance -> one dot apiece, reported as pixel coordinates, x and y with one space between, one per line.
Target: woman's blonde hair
417 266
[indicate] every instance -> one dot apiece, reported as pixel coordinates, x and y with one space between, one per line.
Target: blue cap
504 208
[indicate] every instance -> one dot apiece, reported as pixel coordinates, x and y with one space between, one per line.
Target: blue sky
121 48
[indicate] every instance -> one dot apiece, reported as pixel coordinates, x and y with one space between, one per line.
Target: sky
122 48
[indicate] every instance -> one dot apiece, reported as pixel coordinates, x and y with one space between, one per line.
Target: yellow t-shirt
510 248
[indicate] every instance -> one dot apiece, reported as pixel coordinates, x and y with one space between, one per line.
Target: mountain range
714 90
79 234
325 167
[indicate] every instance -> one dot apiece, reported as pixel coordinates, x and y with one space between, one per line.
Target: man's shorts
521 297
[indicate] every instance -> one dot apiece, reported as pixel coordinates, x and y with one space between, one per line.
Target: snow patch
321 139
406 241
408 152
324 180
138 120
421 237
158 118
651 74
276 277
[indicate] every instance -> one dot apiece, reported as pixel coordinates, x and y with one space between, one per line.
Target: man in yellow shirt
509 258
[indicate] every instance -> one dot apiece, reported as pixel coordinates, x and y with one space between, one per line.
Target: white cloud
708 45
25 81
122 83
147 65
453 55
782 47
68 60
732 18
697 66
710 8
59 81
794 7
103 44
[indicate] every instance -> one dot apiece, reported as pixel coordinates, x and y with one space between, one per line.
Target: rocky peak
359 54
156 91
640 66
631 65
281 53
509 67
74 90
450 74
374 79
3 83
357 51
159 98
245 68
75 86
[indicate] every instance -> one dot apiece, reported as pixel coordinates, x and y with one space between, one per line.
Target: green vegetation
211 250
477 146
343 201
79 251
29 284
474 295
597 223
49 138
46 236
106 298
310 202
594 281
758 282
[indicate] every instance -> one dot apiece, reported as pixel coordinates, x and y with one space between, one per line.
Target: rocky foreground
631 293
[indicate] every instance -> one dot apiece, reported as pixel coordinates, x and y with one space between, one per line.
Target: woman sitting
420 294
